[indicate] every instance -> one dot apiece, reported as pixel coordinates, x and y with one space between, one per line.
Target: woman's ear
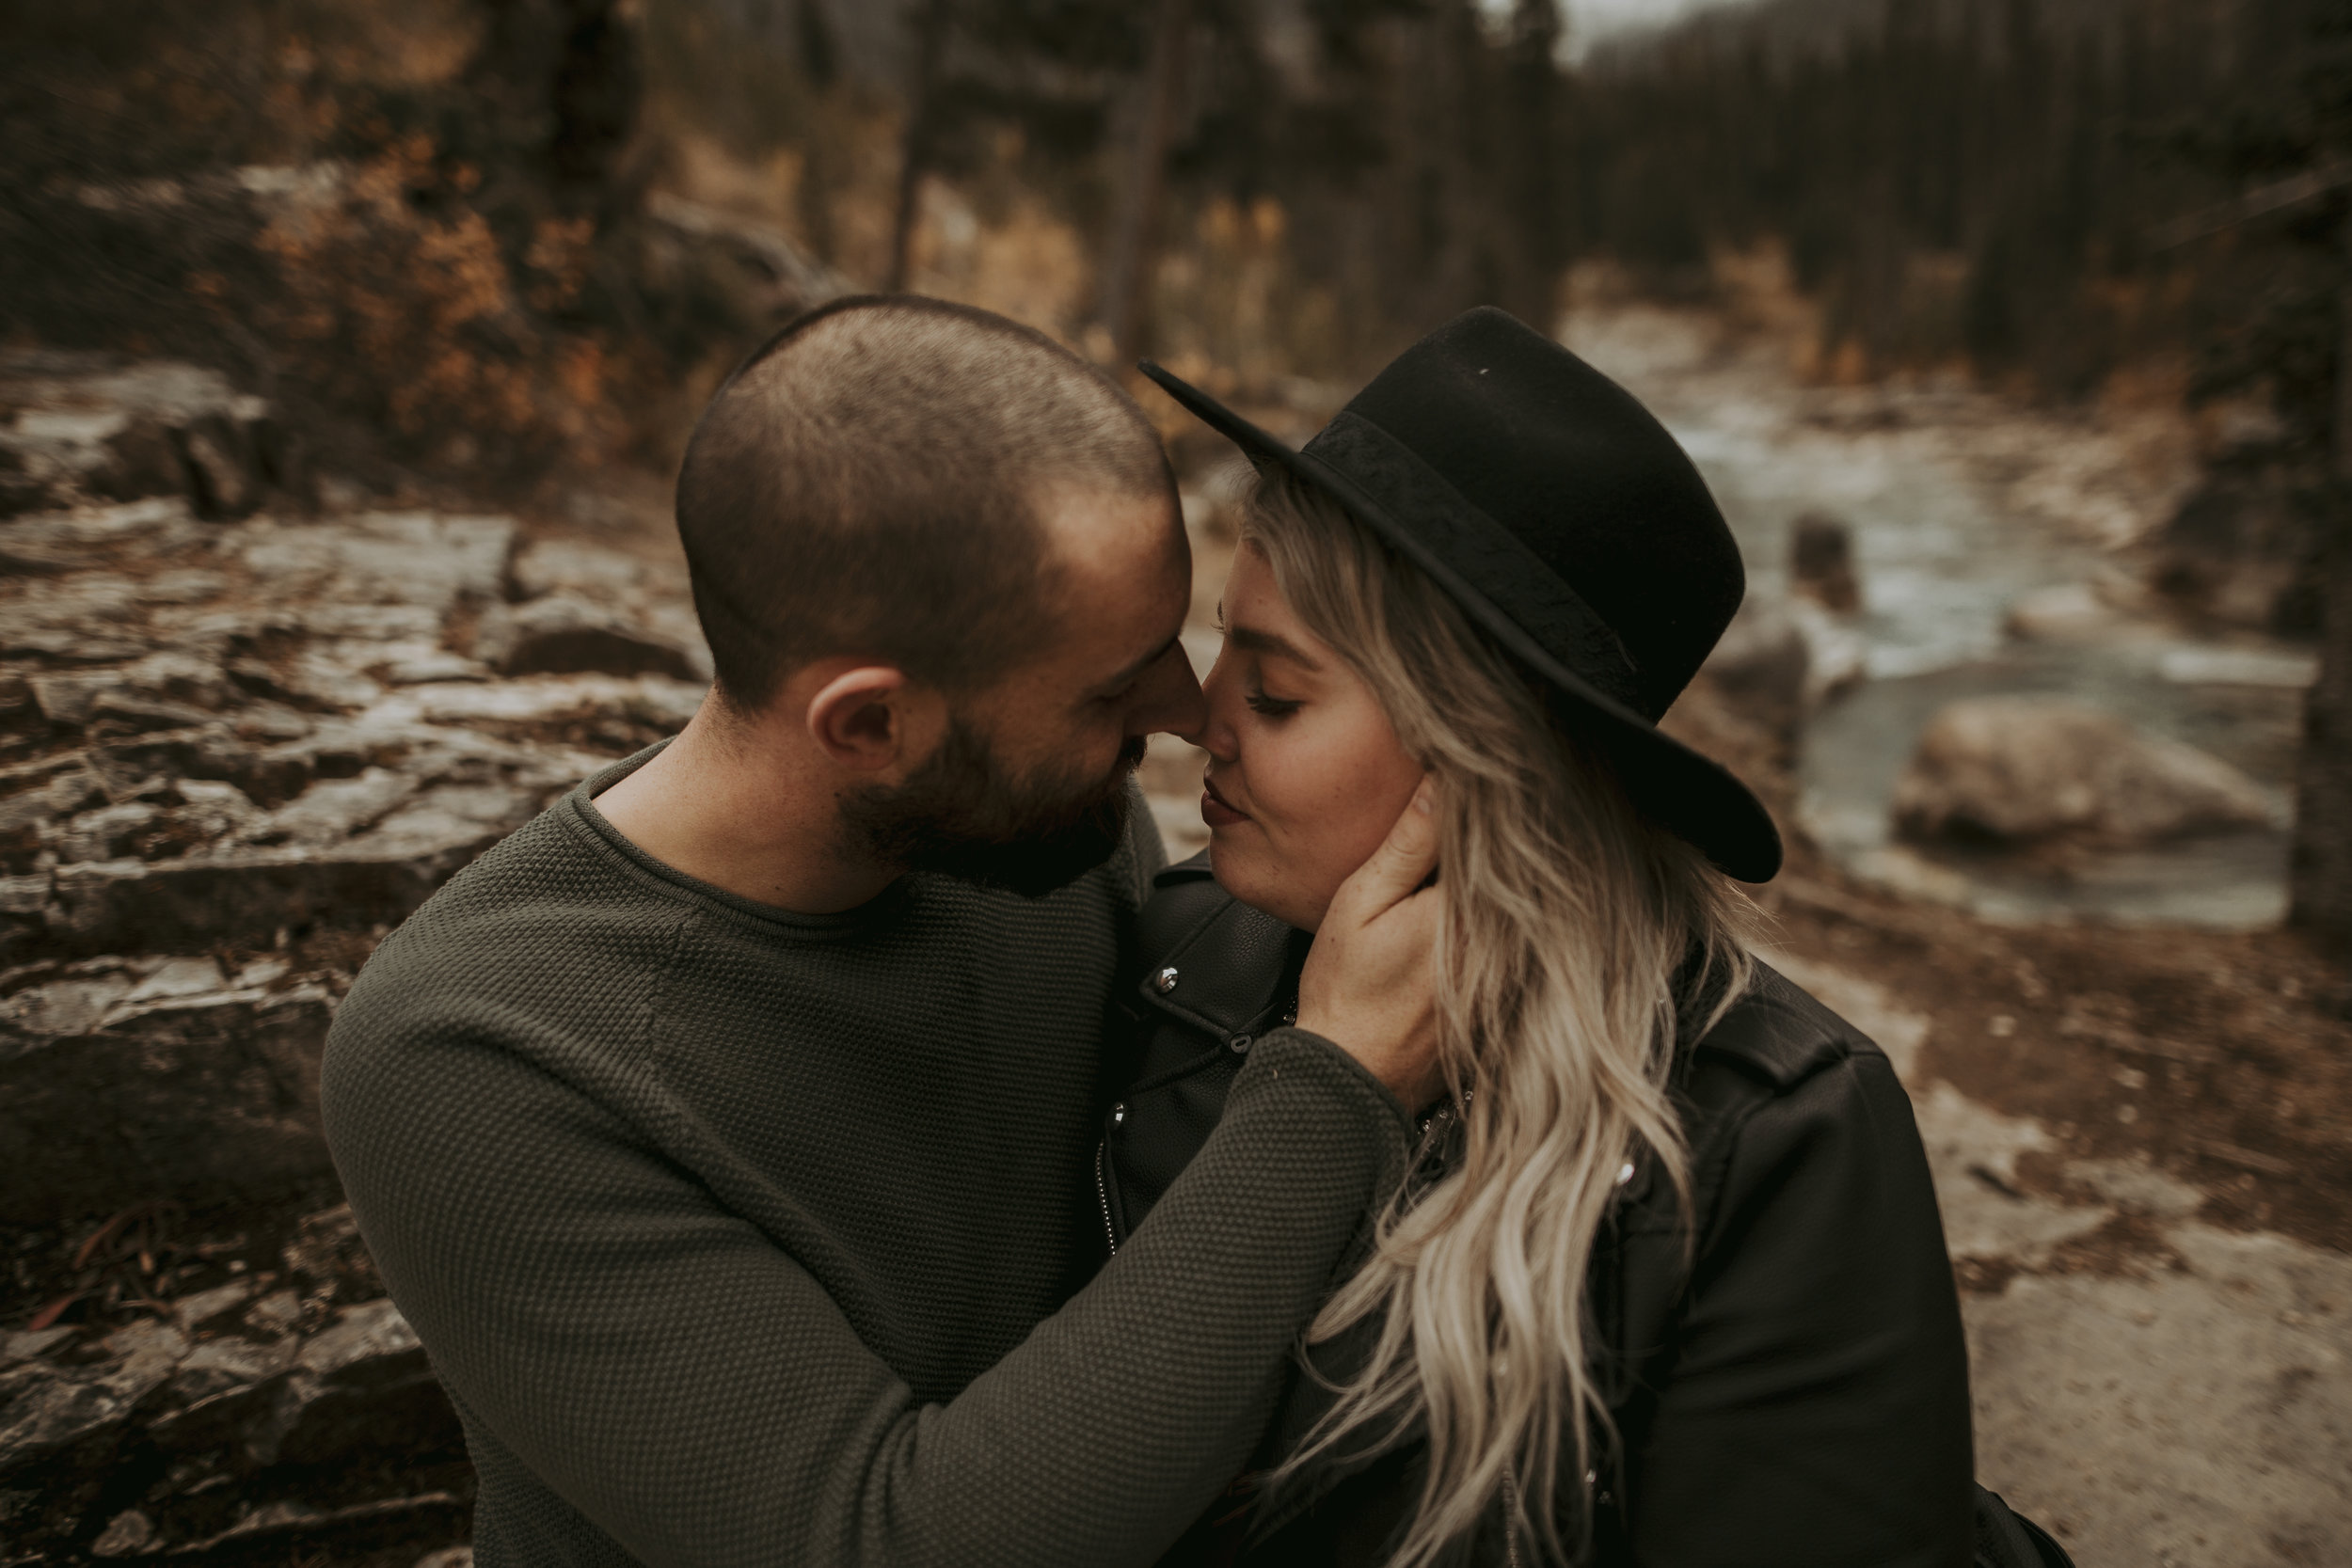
866 719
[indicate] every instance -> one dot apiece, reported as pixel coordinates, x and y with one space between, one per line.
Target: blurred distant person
723 1131
1668 1285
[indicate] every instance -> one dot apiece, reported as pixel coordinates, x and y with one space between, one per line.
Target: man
724 1133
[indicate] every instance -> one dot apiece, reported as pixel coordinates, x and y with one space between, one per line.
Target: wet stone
2018 769
566 635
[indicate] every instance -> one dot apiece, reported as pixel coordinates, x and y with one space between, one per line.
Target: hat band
1477 558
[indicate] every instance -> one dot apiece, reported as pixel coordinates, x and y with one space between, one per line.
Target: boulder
1782 658
2015 769
1764 662
81 1414
361 1382
2066 612
565 634
88 426
1821 562
115 1087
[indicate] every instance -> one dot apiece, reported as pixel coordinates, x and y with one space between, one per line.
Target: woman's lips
1215 811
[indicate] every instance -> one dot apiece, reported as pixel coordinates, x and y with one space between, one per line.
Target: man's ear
870 718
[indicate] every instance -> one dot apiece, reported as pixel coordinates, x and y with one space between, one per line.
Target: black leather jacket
1787 1377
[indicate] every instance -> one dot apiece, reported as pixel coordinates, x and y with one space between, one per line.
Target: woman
1669 1285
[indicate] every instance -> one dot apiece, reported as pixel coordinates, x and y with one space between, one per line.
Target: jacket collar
1212 960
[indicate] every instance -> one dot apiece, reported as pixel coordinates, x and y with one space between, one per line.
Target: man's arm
686 1385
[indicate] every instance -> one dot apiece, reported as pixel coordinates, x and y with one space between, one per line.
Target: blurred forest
483 241
432 222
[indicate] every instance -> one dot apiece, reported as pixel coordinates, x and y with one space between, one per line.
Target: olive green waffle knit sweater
745 1237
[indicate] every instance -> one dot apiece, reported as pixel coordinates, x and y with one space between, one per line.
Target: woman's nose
1215 733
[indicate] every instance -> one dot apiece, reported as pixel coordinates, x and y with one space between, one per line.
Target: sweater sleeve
1815 1413
682 1381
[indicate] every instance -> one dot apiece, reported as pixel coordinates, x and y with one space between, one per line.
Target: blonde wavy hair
1562 984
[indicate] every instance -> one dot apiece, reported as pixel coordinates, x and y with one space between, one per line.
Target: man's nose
1174 703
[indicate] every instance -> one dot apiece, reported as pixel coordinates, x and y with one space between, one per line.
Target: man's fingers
1404 860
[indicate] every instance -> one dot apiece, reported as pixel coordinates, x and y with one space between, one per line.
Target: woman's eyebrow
1267 642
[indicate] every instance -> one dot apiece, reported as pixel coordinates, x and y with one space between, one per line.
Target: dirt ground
2225 1059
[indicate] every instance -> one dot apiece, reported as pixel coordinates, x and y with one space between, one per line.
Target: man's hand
1369 985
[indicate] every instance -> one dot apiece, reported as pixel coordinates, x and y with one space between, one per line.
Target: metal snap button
1238 1045
1165 981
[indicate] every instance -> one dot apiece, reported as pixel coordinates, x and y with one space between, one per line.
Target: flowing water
1960 504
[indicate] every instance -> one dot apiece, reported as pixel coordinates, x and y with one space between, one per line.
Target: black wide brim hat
1570 527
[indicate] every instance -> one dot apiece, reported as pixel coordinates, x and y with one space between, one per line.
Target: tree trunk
1126 295
931 42
563 82
2322 861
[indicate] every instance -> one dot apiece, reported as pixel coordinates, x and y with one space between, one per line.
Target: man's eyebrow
1267 642
1128 674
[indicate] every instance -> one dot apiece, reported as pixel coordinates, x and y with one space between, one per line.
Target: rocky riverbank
243 732
240 740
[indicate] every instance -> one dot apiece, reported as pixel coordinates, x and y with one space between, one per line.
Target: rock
175 978
1821 562
2244 549
48 1412
207 1308
223 1365
120 712
61 1007
21 717
558 565
562 635
109 831
319 679
129 1533
420 559
334 809
277 1313
361 1382
2021 769
207 1092
418 665
329 1255
284 1518
31 1345
1836 657
2068 613
1764 660
89 426
2200 666
66 698
652 698
245 896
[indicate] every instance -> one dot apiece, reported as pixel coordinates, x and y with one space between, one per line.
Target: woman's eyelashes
1272 707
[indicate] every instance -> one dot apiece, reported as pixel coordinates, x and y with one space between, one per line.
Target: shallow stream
1958 505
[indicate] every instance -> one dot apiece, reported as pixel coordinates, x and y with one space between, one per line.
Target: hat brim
1683 790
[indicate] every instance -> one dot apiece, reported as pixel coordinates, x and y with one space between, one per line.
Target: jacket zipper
1103 1196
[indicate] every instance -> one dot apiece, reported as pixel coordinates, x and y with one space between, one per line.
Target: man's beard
961 814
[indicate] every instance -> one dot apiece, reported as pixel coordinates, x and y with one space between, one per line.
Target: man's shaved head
868 484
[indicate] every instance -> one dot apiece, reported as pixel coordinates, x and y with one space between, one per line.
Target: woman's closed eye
1272 707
